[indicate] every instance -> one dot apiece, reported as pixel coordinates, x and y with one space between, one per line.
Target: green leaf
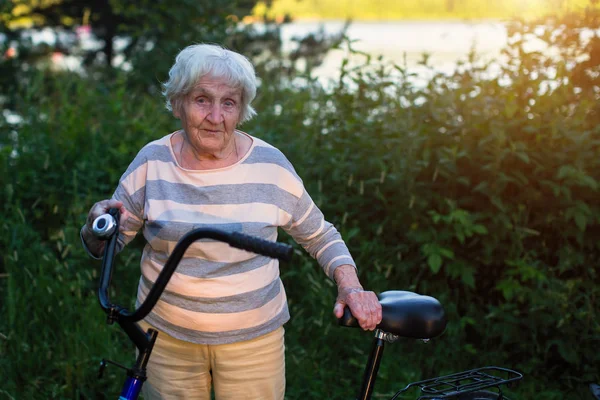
448 253
464 321
435 263
523 156
565 171
498 203
588 181
567 352
506 178
580 221
469 348
508 287
467 277
480 229
481 187
584 208
521 177
9 192
528 231
463 180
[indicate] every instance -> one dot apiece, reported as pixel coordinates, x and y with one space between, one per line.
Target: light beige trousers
253 369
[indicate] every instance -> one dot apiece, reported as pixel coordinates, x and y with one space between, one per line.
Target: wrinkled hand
364 305
101 208
95 245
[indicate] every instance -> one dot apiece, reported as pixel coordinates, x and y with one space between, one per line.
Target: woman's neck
190 158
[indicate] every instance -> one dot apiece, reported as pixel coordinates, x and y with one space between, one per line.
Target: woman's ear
175 107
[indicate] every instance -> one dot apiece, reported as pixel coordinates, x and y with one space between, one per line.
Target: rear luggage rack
449 386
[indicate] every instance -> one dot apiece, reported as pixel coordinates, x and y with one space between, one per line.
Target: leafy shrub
481 191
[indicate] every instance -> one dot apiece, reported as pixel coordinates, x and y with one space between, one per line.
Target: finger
94 213
373 311
112 203
371 318
372 321
123 218
102 207
376 311
362 315
124 214
364 306
356 305
375 316
338 310
372 305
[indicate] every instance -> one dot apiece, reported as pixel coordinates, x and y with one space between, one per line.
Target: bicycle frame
438 388
144 341
411 315
406 314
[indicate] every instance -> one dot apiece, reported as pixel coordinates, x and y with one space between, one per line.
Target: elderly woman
221 318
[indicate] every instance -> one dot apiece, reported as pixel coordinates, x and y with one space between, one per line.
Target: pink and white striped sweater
219 294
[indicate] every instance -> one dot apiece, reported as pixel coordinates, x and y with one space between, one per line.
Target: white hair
199 60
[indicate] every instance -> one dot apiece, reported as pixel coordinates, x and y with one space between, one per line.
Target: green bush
480 191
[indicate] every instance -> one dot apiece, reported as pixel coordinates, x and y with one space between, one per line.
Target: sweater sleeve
132 192
319 238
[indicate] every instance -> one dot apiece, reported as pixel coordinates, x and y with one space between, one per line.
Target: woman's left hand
364 305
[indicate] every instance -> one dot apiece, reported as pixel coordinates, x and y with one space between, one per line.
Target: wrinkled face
210 113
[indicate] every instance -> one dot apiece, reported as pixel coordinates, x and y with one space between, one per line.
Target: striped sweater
219 294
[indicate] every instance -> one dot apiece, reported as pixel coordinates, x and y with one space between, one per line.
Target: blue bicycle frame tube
131 388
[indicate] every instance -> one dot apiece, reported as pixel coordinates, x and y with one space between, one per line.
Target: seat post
372 367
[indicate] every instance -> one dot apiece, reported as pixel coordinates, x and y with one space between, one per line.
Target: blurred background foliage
479 189
392 10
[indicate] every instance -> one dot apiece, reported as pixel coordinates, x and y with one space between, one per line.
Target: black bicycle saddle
406 314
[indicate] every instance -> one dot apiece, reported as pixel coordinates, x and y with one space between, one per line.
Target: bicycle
405 314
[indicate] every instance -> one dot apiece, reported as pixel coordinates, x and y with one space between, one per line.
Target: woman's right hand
101 208
93 244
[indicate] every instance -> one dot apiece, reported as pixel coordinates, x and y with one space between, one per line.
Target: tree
152 31
145 35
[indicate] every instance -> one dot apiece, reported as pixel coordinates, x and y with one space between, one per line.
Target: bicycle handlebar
234 239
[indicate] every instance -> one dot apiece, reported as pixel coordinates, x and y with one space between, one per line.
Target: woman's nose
215 115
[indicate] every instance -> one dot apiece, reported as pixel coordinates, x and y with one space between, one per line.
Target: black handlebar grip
348 319
260 246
